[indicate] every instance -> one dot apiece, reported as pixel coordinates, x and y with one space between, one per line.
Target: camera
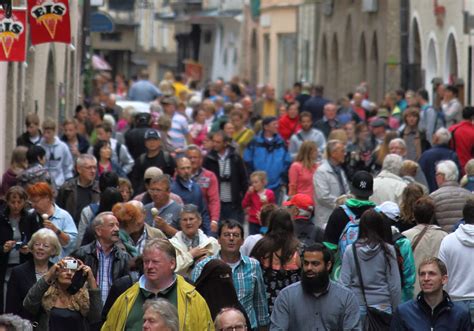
71 264
18 245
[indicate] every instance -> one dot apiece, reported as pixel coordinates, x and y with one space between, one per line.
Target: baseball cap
390 209
301 201
152 134
362 184
152 172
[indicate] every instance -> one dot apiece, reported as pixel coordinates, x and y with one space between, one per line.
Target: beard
316 284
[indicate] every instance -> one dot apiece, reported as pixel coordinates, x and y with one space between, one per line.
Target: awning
99 63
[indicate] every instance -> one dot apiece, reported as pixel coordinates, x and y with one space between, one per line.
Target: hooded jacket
388 187
381 281
59 161
456 252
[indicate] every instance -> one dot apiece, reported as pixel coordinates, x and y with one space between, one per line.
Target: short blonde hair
46 234
260 175
409 168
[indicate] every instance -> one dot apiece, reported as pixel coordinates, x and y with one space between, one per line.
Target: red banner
13 36
49 21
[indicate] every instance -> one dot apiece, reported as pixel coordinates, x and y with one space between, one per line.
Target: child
256 197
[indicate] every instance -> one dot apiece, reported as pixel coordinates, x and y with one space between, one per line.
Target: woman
36 172
103 153
125 188
198 129
228 129
382 150
17 226
43 245
55 307
242 135
378 265
289 123
191 243
18 164
49 215
302 170
411 193
467 181
359 152
278 255
414 138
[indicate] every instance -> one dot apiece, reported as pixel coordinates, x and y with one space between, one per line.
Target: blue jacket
428 161
269 156
416 315
192 194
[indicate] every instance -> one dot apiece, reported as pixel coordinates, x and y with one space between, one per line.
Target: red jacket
254 203
287 127
209 185
462 141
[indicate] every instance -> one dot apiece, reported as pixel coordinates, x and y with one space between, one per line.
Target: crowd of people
227 208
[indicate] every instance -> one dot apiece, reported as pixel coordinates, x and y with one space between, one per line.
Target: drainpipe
404 36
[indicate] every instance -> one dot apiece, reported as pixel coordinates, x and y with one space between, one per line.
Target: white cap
390 209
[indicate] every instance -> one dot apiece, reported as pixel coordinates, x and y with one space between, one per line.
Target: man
307 132
330 182
225 162
159 280
450 197
315 302
301 208
456 252
315 104
208 183
143 90
388 185
362 188
451 106
134 137
230 319
189 191
80 191
304 95
32 135
357 107
268 105
96 118
329 121
267 152
59 160
107 261
112 108
463 136
432 309
439 152
120 154
246 273
430 121
145 197
179 133
154 157
169 212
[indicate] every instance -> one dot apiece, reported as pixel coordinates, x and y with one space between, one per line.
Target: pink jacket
209 185
254 203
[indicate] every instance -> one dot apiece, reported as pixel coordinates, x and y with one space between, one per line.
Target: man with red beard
315 303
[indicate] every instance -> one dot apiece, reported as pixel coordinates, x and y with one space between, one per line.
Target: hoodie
456 252
381 281
59 161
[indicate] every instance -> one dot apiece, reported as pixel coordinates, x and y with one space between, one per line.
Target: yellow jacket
193 312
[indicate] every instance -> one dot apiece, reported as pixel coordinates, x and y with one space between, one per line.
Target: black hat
362 184
268 120
152 134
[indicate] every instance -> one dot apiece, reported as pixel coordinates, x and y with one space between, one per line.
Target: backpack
166 156
400 260
350 233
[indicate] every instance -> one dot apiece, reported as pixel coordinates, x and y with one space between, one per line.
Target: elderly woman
160 315
415 139
57 306
191 243
50 216
388 185
43 245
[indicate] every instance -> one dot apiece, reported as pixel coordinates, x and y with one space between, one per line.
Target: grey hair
99 219
81 159
469 167
399 141
49 235
167 312
443 135
392 163
161 179
449 169
217 320
18 323
194 147
332 145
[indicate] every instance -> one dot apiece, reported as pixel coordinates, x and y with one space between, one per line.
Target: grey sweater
381 281
294 309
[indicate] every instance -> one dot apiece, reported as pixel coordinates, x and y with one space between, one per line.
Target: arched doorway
362 61
51 90
333 83
415 74
451 67
373 71
431 67
349 83
323 72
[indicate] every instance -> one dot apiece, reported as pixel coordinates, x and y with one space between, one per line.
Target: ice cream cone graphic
7 39
50 22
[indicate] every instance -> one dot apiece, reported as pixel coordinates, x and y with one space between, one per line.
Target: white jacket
388 187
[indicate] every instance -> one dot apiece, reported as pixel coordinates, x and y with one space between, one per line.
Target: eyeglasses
230 234
38 245
238 327
156 190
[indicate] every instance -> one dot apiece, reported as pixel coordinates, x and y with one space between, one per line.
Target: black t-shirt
166 164
83 199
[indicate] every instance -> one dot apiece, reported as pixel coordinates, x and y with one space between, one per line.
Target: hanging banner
49 21
13 36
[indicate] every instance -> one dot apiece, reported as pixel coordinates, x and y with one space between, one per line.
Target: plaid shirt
249 285
104 271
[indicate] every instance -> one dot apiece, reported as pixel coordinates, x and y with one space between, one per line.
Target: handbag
375 320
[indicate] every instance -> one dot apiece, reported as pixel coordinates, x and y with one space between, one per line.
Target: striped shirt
179 130
249 285
225 189
104 271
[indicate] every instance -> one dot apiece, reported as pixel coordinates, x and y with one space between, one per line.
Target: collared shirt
249 285
140 244
104 271
64 222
